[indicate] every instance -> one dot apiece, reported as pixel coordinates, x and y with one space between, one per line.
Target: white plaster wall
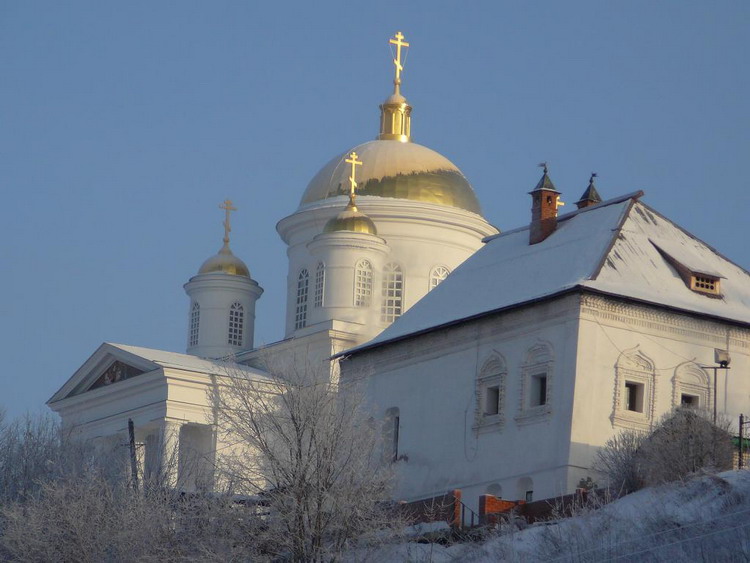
610 327
432 380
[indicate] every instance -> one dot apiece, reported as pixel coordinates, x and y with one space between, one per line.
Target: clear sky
123 125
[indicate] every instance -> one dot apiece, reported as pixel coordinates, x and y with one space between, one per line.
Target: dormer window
690 268
703 283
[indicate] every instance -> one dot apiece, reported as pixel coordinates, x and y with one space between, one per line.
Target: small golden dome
225 262
351 219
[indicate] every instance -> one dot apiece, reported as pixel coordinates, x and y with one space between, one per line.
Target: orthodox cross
399 42
352 179
227 206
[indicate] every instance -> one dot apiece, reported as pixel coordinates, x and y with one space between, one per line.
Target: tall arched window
437 275
320 280
303 282
363 284
195 319
236 324
393 293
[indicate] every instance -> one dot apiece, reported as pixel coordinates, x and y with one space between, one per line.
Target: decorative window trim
236 335
437 276
633 366
363 279
539 361
493 374
690 379
320 280
393 293
303 286
195 320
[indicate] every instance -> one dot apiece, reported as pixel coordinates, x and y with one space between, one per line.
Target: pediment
107 367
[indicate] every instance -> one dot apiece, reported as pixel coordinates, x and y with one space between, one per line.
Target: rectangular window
689 401
634 396
538 390
492 401
529 496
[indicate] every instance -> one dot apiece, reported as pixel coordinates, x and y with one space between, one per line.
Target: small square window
634 396
689 400
539 390
492 401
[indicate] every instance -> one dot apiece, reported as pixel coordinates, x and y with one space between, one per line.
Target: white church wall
432 380
630 338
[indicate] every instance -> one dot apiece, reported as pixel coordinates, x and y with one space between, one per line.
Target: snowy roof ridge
605 248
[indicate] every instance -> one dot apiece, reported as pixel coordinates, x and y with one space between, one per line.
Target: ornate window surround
493 374
690 379
539 362
633 366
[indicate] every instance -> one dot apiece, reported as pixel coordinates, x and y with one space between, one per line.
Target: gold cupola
395 111
225 262
351 219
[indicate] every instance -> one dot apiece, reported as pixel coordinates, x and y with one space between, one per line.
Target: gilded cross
398 41
558 203
352 179
227 206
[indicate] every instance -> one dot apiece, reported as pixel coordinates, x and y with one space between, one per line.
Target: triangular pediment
109 366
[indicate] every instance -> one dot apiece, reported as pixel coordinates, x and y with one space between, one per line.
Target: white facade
512 392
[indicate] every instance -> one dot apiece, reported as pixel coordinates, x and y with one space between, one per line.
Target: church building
498 362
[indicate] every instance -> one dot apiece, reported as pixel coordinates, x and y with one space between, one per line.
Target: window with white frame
635 388
437 275
303 283
536 383
320 280
393 293
691 386
491 393
195 319
236 324
362 284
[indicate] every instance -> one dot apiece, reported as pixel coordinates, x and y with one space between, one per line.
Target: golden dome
394 169
225 262
351 219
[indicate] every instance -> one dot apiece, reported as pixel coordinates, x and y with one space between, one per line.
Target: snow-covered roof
610 248
176 360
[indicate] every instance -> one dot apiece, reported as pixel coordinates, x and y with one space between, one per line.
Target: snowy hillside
704 519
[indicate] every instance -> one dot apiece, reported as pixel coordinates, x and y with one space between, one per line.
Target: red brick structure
545 200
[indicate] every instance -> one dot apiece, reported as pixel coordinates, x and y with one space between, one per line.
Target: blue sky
124 125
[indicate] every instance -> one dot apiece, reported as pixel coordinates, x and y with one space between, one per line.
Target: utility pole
133 456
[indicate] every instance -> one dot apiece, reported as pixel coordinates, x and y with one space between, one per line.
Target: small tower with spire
395 111
221 317
590 196
545 200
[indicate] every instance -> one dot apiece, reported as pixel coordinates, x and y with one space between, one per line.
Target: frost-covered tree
305 443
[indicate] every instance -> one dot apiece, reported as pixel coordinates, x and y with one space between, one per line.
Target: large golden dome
394 169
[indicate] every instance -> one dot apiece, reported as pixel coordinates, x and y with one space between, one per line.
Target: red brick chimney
545 200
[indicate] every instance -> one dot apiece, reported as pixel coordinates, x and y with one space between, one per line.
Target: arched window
195 319
320 280
303 282
437 275
363 284
236 324
390 434
393 293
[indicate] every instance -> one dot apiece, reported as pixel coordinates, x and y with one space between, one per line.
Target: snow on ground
706 518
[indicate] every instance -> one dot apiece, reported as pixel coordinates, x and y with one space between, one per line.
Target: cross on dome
398 41
352 179
227 206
